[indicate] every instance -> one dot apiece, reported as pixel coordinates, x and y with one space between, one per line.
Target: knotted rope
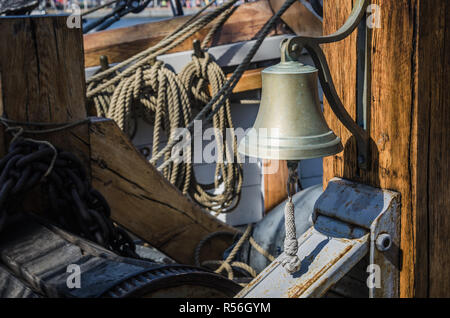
228 264
290 260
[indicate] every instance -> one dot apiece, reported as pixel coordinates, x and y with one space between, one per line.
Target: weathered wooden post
42 77
408 121
42 80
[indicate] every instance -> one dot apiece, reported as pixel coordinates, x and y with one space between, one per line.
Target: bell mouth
289 148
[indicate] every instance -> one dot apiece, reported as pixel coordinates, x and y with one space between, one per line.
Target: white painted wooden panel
250 209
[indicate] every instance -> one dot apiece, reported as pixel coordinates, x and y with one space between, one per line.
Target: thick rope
218 100
156 94
290 261
116 92
198 76
17 131
101 82
220 22
228 264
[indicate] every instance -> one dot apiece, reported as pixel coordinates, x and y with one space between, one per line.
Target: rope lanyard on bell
290 260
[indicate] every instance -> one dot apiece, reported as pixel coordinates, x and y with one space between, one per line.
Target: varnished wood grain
144 202
433 101
408 126
250 80
298 18
274 183
119 44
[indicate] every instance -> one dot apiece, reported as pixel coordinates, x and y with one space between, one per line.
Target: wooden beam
42 80
299 19
122 43
408 125
250 80
431 102
144 202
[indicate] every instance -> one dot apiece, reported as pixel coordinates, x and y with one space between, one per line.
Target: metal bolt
383 242
145 151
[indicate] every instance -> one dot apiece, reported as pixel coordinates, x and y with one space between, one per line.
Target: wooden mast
409 128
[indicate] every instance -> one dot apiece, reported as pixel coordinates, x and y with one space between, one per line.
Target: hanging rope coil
129 66
156 94
198 76
120 85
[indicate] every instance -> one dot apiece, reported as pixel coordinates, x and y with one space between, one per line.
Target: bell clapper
291 262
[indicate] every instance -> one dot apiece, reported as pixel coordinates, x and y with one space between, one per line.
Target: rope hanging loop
204 78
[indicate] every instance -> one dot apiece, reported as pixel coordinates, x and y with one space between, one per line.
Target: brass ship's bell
290 124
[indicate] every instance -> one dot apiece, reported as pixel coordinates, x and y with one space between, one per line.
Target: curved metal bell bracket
292 49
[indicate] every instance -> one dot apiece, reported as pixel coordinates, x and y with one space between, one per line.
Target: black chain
74 204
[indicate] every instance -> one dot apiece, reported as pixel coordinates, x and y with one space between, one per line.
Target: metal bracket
294 47
350 221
